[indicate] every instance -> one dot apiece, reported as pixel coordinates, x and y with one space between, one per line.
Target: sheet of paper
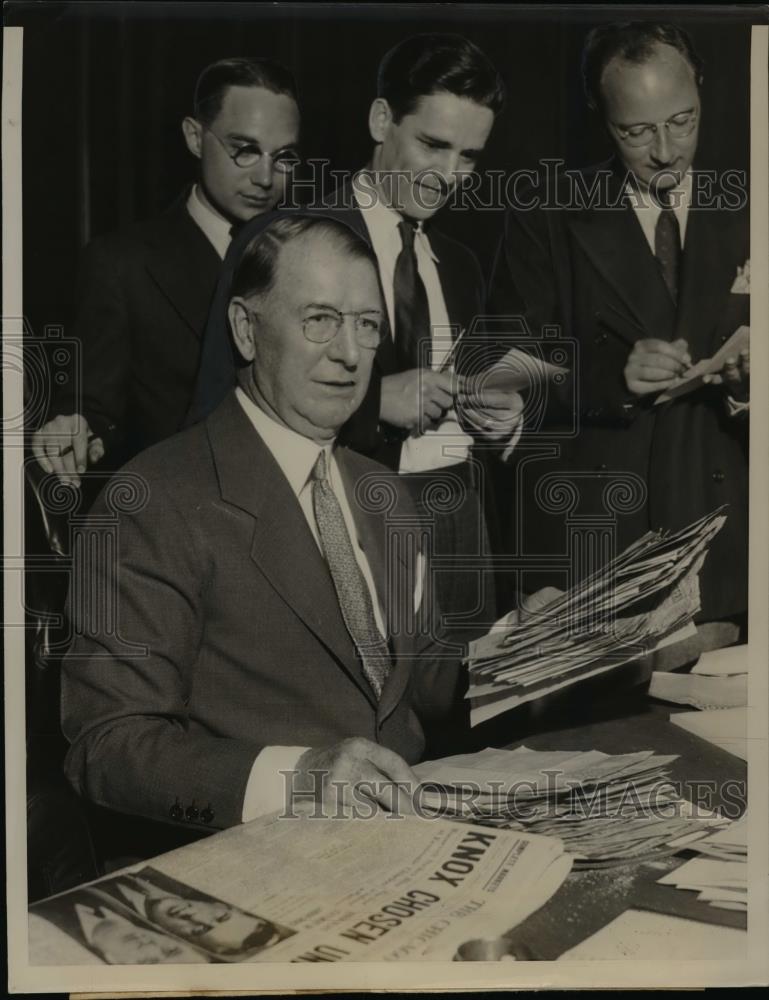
658 937
700 691
515 372
717 662
723 727
709 366
704 873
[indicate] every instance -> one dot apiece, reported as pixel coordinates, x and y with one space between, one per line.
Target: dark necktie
667 245
412 312
351 589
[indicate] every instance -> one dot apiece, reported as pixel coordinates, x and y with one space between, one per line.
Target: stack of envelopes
606 809
720 878
592 628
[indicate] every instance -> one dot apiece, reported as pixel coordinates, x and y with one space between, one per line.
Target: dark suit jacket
463 290
591 271
143 301
228 633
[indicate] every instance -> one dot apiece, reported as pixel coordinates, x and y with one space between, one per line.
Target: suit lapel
184 265
706 275
614 242
458 291
283 547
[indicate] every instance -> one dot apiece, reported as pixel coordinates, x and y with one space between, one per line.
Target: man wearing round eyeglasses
146 291
648 278
281 609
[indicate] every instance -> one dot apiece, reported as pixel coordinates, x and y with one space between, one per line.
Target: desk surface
589 900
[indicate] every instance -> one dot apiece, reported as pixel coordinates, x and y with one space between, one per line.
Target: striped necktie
351 589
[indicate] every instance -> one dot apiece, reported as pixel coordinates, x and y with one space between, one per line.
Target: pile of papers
718 687
606 809
720 878
588 630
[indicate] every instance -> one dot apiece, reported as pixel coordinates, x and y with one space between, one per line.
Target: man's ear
380 118
242 327
193 136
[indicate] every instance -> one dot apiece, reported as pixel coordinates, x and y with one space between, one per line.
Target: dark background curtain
106 86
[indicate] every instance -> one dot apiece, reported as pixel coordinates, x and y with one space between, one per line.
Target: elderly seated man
269 611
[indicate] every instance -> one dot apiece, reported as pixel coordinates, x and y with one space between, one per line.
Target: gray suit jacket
228 635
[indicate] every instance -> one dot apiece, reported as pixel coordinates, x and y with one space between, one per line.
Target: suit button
602 338
718 476
176 811
207 815
192 813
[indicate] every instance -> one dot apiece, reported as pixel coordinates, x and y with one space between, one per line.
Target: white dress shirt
647 210
296 455
447 444
215 228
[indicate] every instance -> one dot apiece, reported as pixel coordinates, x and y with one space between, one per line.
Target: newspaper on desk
306 890
590 629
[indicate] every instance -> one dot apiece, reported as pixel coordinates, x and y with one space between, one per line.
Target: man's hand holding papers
584 632
352 773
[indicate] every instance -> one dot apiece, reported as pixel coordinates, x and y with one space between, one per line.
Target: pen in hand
69 449
449 359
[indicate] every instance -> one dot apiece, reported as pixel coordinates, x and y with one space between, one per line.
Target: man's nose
446 166
344 348
263 171
662 148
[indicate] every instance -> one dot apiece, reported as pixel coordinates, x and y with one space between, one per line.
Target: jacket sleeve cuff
267 789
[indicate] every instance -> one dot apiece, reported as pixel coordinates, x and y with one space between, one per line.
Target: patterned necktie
667 245
351 589
412 312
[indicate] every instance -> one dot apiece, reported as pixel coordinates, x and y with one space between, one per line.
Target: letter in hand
417 398
496 415
653 365
734 376
353 777
66 446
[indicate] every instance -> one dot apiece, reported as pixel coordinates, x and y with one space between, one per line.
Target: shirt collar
380 217
295 454
216 229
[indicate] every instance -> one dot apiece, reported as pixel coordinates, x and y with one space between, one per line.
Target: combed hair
634 42
433 64
216 79
255 271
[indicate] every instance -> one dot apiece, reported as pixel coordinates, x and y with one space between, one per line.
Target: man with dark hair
277 611
648 279
145 291
437 97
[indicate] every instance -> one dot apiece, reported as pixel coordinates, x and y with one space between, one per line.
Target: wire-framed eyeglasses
678 127
321 325
249 155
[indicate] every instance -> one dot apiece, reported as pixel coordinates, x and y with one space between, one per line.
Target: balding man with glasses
145 291
647 269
